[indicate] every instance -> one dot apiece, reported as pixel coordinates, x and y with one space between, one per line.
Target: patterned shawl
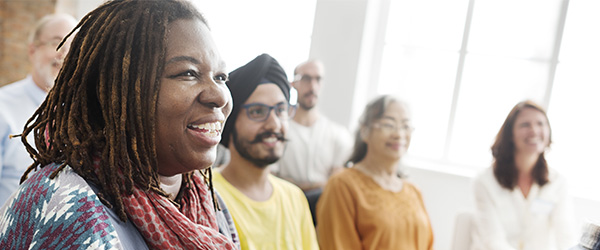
65 213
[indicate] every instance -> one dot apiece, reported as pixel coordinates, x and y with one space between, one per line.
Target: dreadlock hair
503 150
373 111
103 105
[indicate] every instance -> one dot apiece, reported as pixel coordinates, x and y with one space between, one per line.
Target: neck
306 117
377 166
171 184
39 81
384 173
525 163
248 178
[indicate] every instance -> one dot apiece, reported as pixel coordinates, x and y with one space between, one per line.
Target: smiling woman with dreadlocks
126 137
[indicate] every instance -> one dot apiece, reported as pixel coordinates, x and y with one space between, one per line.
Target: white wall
77 8
348 36
445 195
336 40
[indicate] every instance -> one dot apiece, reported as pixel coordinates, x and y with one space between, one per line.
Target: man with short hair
19 100
318 147
269 213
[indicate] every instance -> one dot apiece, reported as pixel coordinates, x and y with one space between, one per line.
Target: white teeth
533 140
270 139
213 128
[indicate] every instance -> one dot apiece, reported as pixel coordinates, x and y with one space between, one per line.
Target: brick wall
17 17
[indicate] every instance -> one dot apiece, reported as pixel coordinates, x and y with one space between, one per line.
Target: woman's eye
188 74
221 78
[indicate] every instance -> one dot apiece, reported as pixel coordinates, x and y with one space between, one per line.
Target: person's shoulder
290 192
485 179
485 174
66 182
410 188
409 185
556 178
335 131
284 185
45 204
220 182
347 176
14 88
346 173
216 174
554 174
332 125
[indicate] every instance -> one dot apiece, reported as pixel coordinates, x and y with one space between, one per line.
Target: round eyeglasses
389 127
260 112
307 78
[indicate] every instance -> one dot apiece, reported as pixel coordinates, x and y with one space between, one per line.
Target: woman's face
193 101
531 132
390 135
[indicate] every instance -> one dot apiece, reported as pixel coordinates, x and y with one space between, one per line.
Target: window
419 64
462 65
245 29
573 108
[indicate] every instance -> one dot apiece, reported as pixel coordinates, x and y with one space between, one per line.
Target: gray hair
34 35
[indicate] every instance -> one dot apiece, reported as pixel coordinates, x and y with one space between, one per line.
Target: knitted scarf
164 226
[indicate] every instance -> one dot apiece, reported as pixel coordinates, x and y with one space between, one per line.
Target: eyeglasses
306 78
390 127
53 43
260 112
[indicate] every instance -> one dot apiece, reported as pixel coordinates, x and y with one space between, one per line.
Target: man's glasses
260 112
307 78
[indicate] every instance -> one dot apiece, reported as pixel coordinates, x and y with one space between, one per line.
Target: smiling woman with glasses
370 205
260 112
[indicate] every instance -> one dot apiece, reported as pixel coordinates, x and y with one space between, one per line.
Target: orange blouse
354 212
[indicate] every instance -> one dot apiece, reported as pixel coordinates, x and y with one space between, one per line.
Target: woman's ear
364 133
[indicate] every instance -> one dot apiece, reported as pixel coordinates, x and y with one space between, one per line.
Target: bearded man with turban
269 213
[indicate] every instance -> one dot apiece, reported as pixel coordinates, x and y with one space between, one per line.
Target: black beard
242 148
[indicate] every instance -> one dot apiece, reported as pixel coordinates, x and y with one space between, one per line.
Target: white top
312 152
506 220
18 102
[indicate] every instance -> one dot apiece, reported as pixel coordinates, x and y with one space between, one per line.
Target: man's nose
273 121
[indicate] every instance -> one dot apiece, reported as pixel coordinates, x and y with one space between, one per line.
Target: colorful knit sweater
59 213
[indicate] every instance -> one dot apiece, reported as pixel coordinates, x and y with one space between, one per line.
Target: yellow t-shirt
354 212
282 222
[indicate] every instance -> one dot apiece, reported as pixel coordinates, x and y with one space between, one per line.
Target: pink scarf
164 226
